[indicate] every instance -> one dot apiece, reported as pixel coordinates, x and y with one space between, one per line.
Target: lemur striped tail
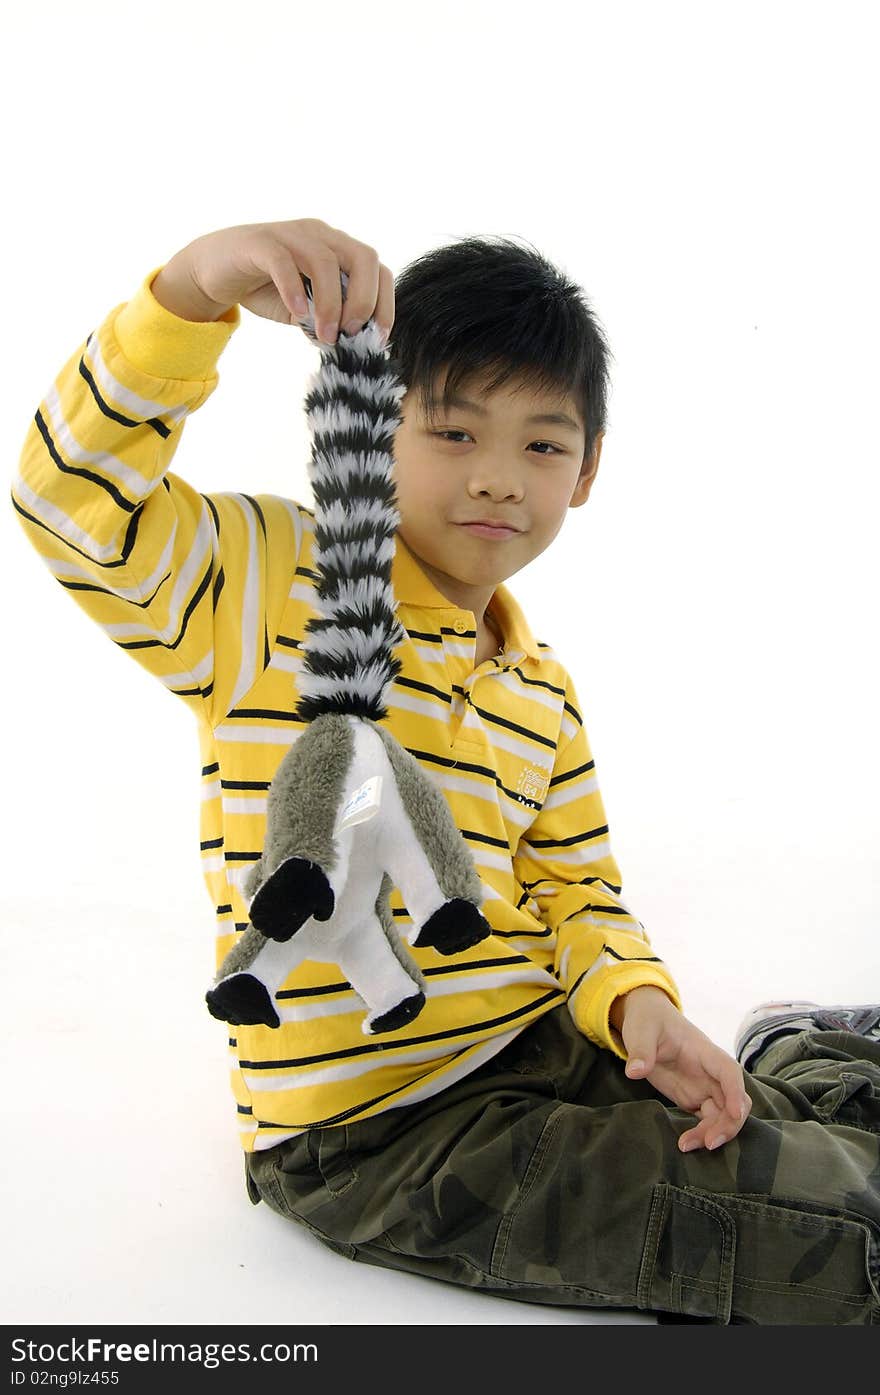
353 410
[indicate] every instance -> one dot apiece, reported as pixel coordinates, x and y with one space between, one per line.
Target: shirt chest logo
532 785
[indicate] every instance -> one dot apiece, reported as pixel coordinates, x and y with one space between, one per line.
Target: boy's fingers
285 273
731 1099
384 314
709 1134
640 1062
326 291
693 1138
737 1102
368 294
360 262
363 288
717 1094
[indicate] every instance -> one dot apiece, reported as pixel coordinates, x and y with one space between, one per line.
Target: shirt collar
412 586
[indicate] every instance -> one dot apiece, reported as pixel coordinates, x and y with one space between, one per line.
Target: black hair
488 305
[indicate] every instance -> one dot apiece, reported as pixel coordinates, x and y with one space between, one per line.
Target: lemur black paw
296 890
399 1015
244 1001
457 925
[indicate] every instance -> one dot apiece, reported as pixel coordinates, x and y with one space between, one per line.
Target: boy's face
487 461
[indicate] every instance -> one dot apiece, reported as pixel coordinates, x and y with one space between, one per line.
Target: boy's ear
587 475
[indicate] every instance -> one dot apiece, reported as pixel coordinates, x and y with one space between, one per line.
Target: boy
528 1133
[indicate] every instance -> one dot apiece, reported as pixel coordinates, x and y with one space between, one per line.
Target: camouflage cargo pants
548 1176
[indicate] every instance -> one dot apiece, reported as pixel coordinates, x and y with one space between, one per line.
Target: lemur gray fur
350 813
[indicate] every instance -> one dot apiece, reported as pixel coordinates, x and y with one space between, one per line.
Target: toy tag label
363 805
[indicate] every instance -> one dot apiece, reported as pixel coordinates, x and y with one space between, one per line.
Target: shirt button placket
458 666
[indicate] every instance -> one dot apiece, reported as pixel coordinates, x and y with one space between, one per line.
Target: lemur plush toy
350 813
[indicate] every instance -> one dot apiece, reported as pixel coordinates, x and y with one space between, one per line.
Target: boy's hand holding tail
260 266
681 1062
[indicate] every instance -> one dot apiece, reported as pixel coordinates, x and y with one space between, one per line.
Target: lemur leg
248 998
375 973
356 942
356 938
296 890
331 764
300 850
446 923
299 889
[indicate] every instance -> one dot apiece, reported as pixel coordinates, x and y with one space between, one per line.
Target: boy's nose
498 483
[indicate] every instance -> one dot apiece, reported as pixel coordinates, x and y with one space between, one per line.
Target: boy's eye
454 432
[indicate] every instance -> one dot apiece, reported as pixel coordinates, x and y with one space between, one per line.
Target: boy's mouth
490 530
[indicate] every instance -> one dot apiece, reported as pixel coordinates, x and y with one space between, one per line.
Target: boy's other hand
681 1062
260 266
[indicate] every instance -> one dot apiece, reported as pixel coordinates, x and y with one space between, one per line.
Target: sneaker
768 1021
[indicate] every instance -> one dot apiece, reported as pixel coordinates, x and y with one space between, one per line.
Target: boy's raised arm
565 858
135 546
161 567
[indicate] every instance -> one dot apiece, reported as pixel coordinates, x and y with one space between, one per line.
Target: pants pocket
688 1259
840 1087
290 1181
730 1257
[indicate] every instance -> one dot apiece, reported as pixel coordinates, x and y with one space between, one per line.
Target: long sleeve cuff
155 341
590 1009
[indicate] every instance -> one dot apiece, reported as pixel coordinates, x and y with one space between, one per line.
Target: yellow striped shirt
211 593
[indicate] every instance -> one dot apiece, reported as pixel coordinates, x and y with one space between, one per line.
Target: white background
708 174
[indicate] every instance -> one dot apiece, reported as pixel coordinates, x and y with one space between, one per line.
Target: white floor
124 1198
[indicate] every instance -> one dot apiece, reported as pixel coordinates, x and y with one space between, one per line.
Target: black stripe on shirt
214 514
372 1047
158 426
601 908
571 774
543 934
193 692
583 837
120 561
582 881
484 839
448 762
623 958
419 687
465 767
512 726
276 714
219 583
267 652
127 505
131 531
159 643
108 591
637 958
258 511
540 683
356 1108
59 537
321 990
